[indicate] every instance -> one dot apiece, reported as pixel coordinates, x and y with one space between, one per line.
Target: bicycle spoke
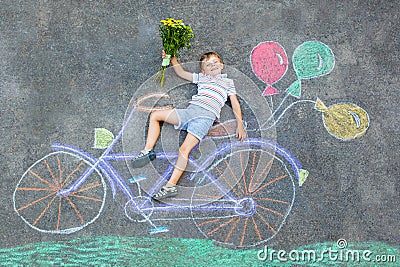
256 228
51 172
72 173
44 211
88 198
221 173
244 231
207 222
242 173
85 189
59 214
269 183
233 174
254 186
234 225
253 162
251 175
36 201
78 214
34 189
223 176
241 164
272 200
270 210
42 179
220 227
60 172
266 222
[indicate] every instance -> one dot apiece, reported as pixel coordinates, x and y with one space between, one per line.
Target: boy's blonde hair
207 55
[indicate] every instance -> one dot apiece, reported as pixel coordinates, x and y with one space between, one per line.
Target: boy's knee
154 115
185 151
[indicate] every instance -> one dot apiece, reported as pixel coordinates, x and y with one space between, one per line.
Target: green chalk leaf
303 174
102 138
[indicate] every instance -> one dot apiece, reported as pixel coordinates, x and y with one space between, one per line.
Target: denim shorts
195 120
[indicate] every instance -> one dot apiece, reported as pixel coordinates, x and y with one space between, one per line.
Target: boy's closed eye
209 64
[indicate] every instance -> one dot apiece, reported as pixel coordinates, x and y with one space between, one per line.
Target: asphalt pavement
68 67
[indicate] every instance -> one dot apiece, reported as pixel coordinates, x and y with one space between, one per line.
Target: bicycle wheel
139 209
261 195
37 203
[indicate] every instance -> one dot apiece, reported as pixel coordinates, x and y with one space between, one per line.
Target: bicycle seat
223 129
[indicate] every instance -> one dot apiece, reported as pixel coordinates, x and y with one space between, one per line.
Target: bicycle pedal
136 179
159 229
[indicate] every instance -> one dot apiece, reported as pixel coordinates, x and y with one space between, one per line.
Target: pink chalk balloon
269 62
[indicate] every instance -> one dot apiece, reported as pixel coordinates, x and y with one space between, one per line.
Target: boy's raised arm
181 72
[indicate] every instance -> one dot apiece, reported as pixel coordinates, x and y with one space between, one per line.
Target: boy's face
212 66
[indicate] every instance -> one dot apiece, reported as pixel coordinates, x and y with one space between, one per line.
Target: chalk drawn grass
145 251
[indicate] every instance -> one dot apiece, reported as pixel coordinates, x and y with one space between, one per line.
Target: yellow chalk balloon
344 121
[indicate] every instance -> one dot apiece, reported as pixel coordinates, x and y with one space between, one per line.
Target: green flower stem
163 69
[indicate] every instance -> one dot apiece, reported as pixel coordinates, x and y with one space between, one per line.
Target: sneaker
166 192
144 157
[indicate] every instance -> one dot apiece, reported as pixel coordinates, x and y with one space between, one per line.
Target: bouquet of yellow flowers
175 35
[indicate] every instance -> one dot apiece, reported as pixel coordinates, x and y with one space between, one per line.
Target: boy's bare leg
156 117
190 142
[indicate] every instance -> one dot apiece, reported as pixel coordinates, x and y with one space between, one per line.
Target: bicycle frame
103 164
240 195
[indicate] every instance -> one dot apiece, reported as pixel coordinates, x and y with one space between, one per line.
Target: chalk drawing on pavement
65 191
242 193
269 62
311 59
102 138
345 121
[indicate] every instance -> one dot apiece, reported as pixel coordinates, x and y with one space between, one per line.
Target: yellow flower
175 23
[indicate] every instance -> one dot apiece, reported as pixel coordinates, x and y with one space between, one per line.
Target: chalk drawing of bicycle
240 195
66 190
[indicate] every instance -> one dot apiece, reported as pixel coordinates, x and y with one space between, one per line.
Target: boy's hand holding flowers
175 35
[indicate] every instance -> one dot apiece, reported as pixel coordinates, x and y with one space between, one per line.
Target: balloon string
271 103
286 109
276 110
283 112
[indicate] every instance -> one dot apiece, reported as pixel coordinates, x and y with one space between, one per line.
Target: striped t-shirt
212 92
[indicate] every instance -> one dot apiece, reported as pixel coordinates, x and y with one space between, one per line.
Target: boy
213 90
